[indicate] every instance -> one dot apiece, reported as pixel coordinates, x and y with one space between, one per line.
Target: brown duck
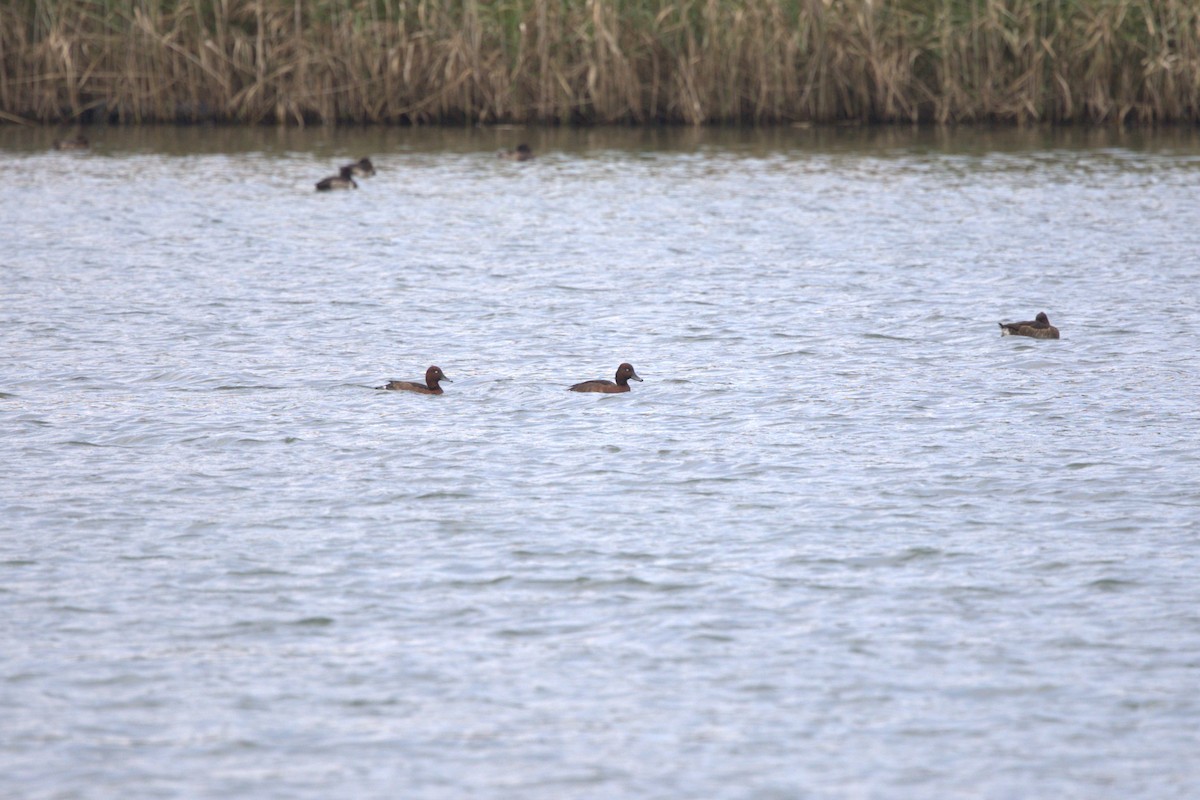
79 142
432 376
624 374
1038 328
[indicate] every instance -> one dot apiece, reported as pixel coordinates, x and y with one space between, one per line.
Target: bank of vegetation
600 61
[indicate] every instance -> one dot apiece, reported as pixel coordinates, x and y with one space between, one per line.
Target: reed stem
600 61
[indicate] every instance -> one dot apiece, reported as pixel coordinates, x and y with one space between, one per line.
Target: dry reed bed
628 61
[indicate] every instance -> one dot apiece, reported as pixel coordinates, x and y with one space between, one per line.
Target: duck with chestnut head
625 374
433 376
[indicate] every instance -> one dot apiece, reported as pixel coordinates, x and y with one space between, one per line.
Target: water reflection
580 142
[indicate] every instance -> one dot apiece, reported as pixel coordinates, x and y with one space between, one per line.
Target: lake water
844 541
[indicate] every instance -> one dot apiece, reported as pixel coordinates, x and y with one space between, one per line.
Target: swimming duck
624 373
432 376
522 153
1038 328
79 142
363 167
343 180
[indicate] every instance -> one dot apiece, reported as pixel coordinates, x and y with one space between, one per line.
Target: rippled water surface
844 541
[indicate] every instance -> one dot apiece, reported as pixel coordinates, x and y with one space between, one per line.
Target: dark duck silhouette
522 153
343 180
362 168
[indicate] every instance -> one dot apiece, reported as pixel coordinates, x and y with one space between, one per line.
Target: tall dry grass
626 61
